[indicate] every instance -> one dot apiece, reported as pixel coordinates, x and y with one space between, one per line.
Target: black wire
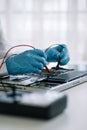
58 64
3 86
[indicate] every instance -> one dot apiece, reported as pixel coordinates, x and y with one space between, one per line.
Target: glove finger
38 65
55 56
39 60
60 47
64 60
36 61
64 52
52 55
28 69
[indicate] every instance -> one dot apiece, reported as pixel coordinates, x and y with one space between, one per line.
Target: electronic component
42 104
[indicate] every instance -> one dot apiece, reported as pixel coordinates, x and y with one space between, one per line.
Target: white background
45 22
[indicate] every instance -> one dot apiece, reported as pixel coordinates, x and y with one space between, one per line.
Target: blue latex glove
58 54
31 61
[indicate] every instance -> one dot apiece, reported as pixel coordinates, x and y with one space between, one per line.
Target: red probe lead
47 69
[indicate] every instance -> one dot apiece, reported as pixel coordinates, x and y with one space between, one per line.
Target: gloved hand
58 54
31 61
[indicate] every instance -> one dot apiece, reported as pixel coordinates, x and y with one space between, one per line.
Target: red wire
15 47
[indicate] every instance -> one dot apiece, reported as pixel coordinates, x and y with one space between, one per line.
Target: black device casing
14 107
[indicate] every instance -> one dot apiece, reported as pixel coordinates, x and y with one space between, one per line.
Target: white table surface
73 118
